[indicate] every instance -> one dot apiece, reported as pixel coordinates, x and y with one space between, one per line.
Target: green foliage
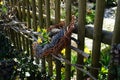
43 38
4 9
104 61
5 45
105 58
90 16
26 67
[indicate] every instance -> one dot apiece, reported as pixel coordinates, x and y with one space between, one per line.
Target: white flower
15 59
27 74
34 63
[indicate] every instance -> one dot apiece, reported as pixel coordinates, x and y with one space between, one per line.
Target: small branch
80 52
13 23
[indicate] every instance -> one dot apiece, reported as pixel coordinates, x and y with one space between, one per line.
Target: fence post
23 10
116 33
97 36
47 5
68 50
47 11
81 34
28 14
19 11
113 72
33 2
57 20
40 11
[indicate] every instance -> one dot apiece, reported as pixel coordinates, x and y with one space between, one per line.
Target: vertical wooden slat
23 42
47 11
19 11
23 19
27 42
11 3
47 5
40 17
68 50
31 51
28 14
99 14
57 20
115 40
116 33
81 34
34 15
19 40
15 41
17 33
23 11
47 23
14 2
12 37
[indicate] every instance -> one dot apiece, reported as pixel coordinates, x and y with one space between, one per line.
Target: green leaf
4 9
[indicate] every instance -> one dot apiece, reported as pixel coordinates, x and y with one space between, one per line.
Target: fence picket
81 34
33 3
57 20
100 5
28 14
68 51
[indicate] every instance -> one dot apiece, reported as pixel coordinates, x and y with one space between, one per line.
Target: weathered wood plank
34 17
57 20
40 11
28 14
81 34
47 11
97 36
68 50
116 33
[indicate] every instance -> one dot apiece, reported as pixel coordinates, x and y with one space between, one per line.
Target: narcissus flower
39 40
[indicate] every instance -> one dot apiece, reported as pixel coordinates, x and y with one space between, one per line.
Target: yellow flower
38 29
44 30
86 50
1 2
63 51
62 69
39 40
104 70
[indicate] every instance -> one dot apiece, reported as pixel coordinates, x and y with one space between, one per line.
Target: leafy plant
90 16
105 58
26 68
5 46
43 38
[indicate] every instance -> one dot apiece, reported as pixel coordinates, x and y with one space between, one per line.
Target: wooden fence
37 13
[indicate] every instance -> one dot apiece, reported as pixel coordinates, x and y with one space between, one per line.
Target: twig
80 51
13 23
